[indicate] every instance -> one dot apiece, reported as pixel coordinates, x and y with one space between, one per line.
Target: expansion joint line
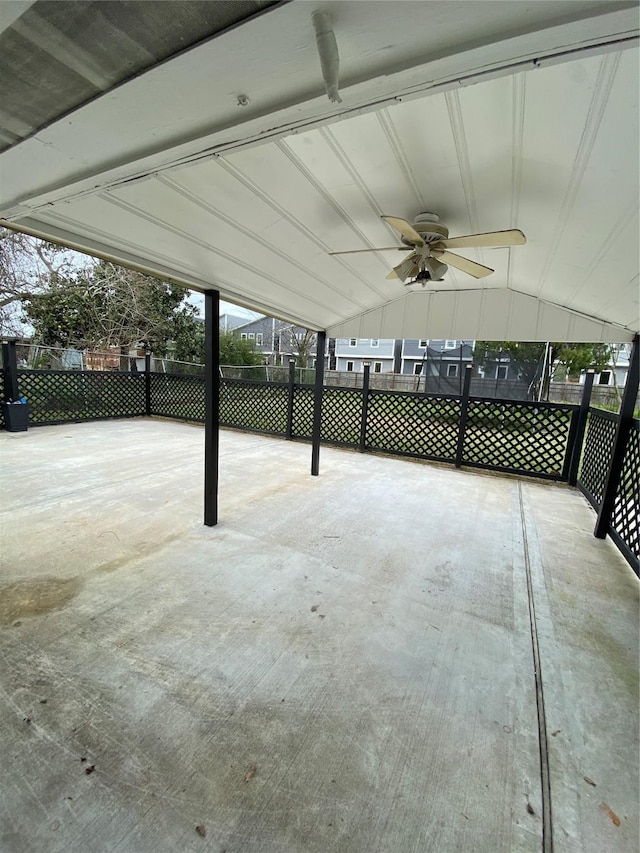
545 777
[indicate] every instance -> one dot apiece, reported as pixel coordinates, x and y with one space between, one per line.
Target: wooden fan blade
490 240
405 229
407 269
383 249
464 264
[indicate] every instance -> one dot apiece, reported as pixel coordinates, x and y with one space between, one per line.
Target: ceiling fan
429 243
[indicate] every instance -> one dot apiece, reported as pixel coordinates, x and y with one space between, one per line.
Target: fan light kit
429 243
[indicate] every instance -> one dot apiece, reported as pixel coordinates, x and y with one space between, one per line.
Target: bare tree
299 342
27 266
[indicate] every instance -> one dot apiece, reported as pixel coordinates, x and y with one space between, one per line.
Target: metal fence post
10 368
365 407
211 405
464 410
147 383
620 443
317 403
583 414
290 391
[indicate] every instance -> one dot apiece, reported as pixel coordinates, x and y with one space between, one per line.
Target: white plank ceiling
252 207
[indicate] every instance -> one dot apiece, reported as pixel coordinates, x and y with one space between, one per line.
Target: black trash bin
16 416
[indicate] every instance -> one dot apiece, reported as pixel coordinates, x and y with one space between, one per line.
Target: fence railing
596 461
518 437
505 435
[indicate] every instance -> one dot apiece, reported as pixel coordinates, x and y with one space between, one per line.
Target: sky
197 299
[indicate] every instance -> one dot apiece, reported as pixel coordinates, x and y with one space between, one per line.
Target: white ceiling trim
483 314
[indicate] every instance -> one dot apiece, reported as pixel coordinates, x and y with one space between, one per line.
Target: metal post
583 414
292 380
147 383
464 410
365 407
397 355
10 367
211 404
425 369
620 444
317 404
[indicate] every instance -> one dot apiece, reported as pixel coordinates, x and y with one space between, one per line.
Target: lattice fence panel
529 438
341 416
625 519
415 425
259 406
176 396
596 456
55 396
302 413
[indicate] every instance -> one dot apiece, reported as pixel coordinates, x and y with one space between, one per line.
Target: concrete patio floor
343 664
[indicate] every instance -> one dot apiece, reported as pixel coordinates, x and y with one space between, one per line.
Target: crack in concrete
545 776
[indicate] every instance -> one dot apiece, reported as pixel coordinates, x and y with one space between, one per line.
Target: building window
452 370
243 336
417 369
450 344
252 336
353 342
377 367
259 339
422 344
375 342
501 371
350 365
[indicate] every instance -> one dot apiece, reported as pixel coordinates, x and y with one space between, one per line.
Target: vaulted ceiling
226 165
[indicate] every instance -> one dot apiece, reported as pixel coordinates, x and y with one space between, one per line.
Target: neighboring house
441 358
352 353
279 341
228 322
409 357
438 365
616 373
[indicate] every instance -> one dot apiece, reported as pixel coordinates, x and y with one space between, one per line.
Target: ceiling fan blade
405 229
383 249
490 240
407 269
464 264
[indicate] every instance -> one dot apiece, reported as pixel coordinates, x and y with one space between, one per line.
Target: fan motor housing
428 227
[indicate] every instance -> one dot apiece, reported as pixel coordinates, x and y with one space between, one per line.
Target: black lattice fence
341 416
519 438
596 454
302 423
625 519
413 425
254 406
177 396
56 396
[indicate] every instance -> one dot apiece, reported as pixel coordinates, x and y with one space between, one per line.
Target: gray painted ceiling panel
58 54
